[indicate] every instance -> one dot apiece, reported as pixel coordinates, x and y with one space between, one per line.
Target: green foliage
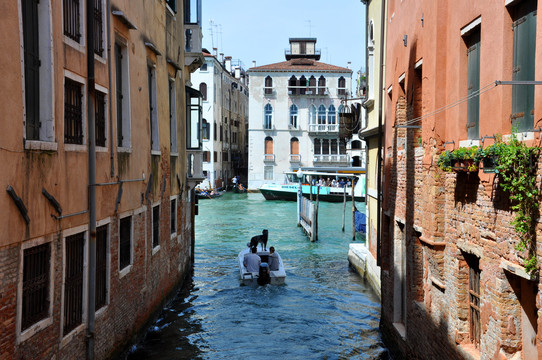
447 158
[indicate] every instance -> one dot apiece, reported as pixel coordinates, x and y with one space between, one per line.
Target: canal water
324 310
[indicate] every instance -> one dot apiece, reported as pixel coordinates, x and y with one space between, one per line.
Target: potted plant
465 159
490 157
445 160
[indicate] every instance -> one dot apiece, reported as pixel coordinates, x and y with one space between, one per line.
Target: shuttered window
31 68
118 85
473 105
524 65
268 145
474 300
73 283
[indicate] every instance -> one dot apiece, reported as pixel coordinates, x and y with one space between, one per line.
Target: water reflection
324 311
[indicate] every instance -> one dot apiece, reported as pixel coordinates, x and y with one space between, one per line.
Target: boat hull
289 193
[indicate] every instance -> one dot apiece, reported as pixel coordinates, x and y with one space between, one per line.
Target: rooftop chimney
349 63
253 63
227 63
215 52
237 73
222 58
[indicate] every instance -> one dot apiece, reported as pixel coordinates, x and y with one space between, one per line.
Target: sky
259 29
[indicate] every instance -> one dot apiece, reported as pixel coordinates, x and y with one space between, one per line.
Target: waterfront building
223 85
122 189
454 286
295 108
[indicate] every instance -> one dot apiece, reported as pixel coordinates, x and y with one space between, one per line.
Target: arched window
312 85
317 147
356 145
331 115
203 90
325 146
321 117
342 86
294 146
334 148
268 145
293 116
303 85
321 85
268 89
312 115
292 85
205 130
268 117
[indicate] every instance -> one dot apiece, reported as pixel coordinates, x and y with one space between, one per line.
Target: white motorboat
248 278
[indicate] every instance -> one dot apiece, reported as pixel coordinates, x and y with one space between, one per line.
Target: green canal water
324 310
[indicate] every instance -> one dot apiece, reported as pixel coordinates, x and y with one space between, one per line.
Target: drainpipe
379 158
91 181
109 60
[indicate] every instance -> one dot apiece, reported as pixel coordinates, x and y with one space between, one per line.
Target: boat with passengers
269 272
331 186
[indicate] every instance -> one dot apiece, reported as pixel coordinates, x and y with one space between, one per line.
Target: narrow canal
324 311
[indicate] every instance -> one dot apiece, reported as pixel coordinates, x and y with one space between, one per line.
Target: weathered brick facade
445 232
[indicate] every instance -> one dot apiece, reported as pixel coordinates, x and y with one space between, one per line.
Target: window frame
153 109
122 95
172 92
293 116
80 43
105 223
126 268
81 83
268 117
155 226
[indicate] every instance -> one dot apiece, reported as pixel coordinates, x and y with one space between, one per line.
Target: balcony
308 90
323 128
295 158
269 158
192 35
331 158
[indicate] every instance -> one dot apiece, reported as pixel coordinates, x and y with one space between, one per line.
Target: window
73 281
98 28
214 131
268 89
172 5
524 64
73 112
206 156
312 114
125 242
268 117
173 215
333 147
153 109
72 19
36 284
473 83
341 86
100 118
215 156
294 146
292 85
303 85
268 146
317 147
172 117
155 226
193 119
321 85
31 68
325 146
321 115
203 90
101 265
356 145
221 133
331 115
122 95
293 116
268 172
312 85
205 130
203 67
474 299
225 156
192 12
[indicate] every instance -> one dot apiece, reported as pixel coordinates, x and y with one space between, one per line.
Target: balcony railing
331 158
308 90
269 157
323 128
295 158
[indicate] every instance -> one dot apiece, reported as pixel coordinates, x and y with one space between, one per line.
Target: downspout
379 158
91 182
109 60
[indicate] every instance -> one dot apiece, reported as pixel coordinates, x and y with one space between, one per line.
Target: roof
300 65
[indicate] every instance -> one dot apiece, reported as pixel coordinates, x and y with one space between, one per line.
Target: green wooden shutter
31 68
473 105
524 66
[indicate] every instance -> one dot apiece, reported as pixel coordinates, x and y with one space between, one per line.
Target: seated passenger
252 261
273 259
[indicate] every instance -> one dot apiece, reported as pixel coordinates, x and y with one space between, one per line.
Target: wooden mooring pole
344 205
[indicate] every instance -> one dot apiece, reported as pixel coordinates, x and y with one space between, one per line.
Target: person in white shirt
252 261
273 259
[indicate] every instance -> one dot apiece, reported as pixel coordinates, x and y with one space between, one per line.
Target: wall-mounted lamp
405 40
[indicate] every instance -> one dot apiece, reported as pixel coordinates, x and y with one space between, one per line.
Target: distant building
147 162
223 85
295 109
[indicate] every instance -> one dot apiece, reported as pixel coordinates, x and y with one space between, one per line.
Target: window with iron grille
125 242
31 68
73 281
72 19
73 112
98 28
100 118
173 216
474 299
156 226
101 265
36 283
